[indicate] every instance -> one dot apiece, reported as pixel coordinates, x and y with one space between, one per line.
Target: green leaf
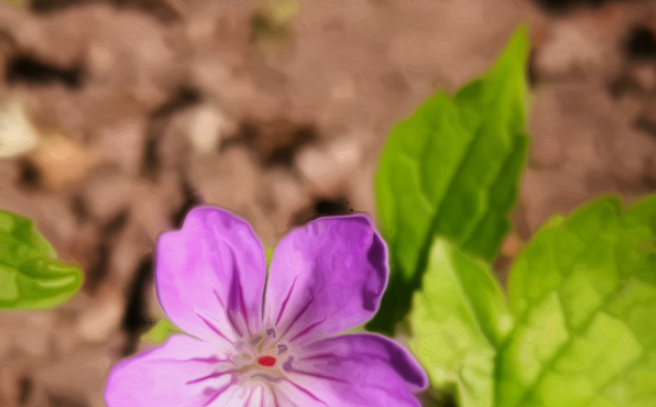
584 295
162 330
31 277
458 320
451 170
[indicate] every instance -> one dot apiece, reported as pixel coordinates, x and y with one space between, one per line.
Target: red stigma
267 361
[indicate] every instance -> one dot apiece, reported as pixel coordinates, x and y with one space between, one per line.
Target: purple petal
210 275
326 277
183 372
358 370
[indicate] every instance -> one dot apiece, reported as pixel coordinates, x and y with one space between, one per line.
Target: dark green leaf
451 170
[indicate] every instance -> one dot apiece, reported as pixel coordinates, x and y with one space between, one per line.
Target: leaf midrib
428 240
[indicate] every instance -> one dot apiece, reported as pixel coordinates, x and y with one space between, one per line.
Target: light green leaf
458 320
451 170
162 330
31 277
584 296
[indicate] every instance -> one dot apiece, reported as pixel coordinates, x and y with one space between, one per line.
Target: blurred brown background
117 116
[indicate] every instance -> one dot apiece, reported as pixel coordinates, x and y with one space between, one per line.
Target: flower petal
326 277
358 370
210 275
183 372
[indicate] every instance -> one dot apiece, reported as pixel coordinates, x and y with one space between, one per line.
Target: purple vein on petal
248 400
273 394
308 329
213 328
219 299
306 391
327 355
357 357
211 359
285 301
234 325
228 314
236 297
319 376
298 316
218 393
212 375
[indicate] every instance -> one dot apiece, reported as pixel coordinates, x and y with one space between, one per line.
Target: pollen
267 361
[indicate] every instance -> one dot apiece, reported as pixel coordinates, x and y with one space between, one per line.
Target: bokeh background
117 116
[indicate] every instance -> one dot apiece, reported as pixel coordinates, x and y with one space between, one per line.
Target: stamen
267 361
270 334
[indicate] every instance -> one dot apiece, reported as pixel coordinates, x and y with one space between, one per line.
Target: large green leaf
30 275
582 296
451 170
458 321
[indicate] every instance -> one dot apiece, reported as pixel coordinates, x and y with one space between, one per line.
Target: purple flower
273 347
